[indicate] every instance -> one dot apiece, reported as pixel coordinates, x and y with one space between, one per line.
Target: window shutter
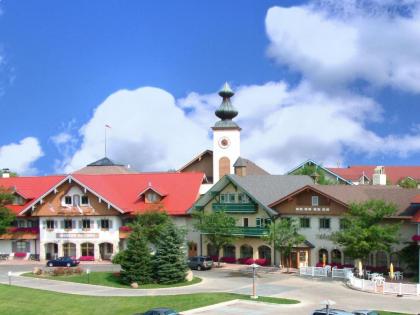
14 247
110 224
80 224
73 224
92 222
99 224
44 224
28 247
62 224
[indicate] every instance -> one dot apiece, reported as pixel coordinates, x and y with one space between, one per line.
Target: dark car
63 262
200 262
159 311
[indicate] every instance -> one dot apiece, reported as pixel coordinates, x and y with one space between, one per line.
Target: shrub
20 255
58 271
229 260
246 261
77 270
118 258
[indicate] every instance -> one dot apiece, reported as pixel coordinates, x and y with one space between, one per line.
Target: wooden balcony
235 207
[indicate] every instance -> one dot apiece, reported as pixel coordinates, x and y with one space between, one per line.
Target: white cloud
336 42
148 131
19 157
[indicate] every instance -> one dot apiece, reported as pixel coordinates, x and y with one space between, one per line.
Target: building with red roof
85 215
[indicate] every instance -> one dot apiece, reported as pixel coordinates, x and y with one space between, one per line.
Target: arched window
247 251
69 249
321 254
224 166
229 251
87 249
335 256
264 252
211 250
381 259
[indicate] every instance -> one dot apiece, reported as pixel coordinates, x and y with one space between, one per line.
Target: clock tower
226 136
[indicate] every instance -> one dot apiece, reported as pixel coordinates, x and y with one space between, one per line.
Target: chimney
379 176
5 173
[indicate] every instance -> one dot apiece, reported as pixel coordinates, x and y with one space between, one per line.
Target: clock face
224 142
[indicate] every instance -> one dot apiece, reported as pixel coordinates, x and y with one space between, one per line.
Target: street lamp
9 274
327 304
88 272
254 267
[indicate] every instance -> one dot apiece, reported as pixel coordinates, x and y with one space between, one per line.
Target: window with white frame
315 201
105 224
68 224
86 224
324 223
242 198
305 223
50 224
84 200
68 200
21 246
262 222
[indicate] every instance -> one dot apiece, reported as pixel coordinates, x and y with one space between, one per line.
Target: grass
109 279
392 313
24 301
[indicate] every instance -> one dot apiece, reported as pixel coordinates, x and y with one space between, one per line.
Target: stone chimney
5 173
379 176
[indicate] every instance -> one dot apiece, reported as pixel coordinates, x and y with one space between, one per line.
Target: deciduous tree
365 230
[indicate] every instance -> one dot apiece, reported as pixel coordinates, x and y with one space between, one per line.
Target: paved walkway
309 291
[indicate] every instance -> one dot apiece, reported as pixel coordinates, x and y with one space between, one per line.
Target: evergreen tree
6 216
136 262
170 259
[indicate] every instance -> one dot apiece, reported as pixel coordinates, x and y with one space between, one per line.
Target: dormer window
18 200
151 194
152 197
315 201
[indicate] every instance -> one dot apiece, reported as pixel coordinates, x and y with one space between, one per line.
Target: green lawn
24 301
110 280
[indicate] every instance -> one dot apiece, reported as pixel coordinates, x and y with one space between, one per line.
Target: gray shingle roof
270 188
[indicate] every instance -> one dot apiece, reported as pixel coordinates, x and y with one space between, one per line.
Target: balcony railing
235 207
250 231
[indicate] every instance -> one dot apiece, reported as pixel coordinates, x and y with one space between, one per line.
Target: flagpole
105 139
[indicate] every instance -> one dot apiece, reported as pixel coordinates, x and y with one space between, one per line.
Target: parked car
331 311
159 311
200 262
365 312
63 262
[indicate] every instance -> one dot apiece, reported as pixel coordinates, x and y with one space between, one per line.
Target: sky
333 81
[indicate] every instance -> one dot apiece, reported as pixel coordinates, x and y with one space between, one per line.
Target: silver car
331 311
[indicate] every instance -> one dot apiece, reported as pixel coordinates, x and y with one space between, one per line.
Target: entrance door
294 260
192 249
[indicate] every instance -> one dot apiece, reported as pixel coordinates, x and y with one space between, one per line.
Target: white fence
385 287
313 271
362 284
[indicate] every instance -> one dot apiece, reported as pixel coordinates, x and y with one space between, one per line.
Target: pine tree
136 262
170 260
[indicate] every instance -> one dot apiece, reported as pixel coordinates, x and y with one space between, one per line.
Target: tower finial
226 112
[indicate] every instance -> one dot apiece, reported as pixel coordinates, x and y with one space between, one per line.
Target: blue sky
61 61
